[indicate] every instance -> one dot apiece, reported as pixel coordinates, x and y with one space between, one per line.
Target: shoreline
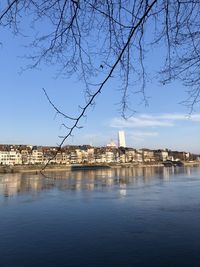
36 169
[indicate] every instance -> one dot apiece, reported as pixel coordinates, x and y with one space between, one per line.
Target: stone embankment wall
38 168
32 168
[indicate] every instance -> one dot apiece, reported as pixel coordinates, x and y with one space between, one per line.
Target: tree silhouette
99 39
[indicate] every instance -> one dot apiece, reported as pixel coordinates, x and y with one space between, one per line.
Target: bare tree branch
101 40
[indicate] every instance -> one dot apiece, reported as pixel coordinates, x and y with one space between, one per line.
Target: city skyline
11 155
109 145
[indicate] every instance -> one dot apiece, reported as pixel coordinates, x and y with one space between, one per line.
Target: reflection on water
19 183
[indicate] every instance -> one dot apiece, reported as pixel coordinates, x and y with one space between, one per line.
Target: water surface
113 217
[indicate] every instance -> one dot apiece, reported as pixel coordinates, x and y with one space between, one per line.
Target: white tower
121 139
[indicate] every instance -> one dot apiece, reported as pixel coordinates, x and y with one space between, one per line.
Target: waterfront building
73 157
59 158
84 156
130 155
79 156
139 156
4 158
177 155
10 157
25 156
65 158
148 155
109 156
91 158
36 155
161 155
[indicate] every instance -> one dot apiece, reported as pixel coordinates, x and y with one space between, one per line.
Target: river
112 217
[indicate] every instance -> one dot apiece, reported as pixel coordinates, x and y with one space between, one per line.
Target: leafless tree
102 39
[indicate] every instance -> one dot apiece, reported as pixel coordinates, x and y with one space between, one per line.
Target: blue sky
27 117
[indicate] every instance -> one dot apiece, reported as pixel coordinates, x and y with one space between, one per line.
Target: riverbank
75 167
32 168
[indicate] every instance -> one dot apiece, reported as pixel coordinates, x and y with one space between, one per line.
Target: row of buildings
28 155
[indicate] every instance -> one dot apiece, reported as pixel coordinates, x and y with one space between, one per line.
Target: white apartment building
109 156
36 157
11 157
164 155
